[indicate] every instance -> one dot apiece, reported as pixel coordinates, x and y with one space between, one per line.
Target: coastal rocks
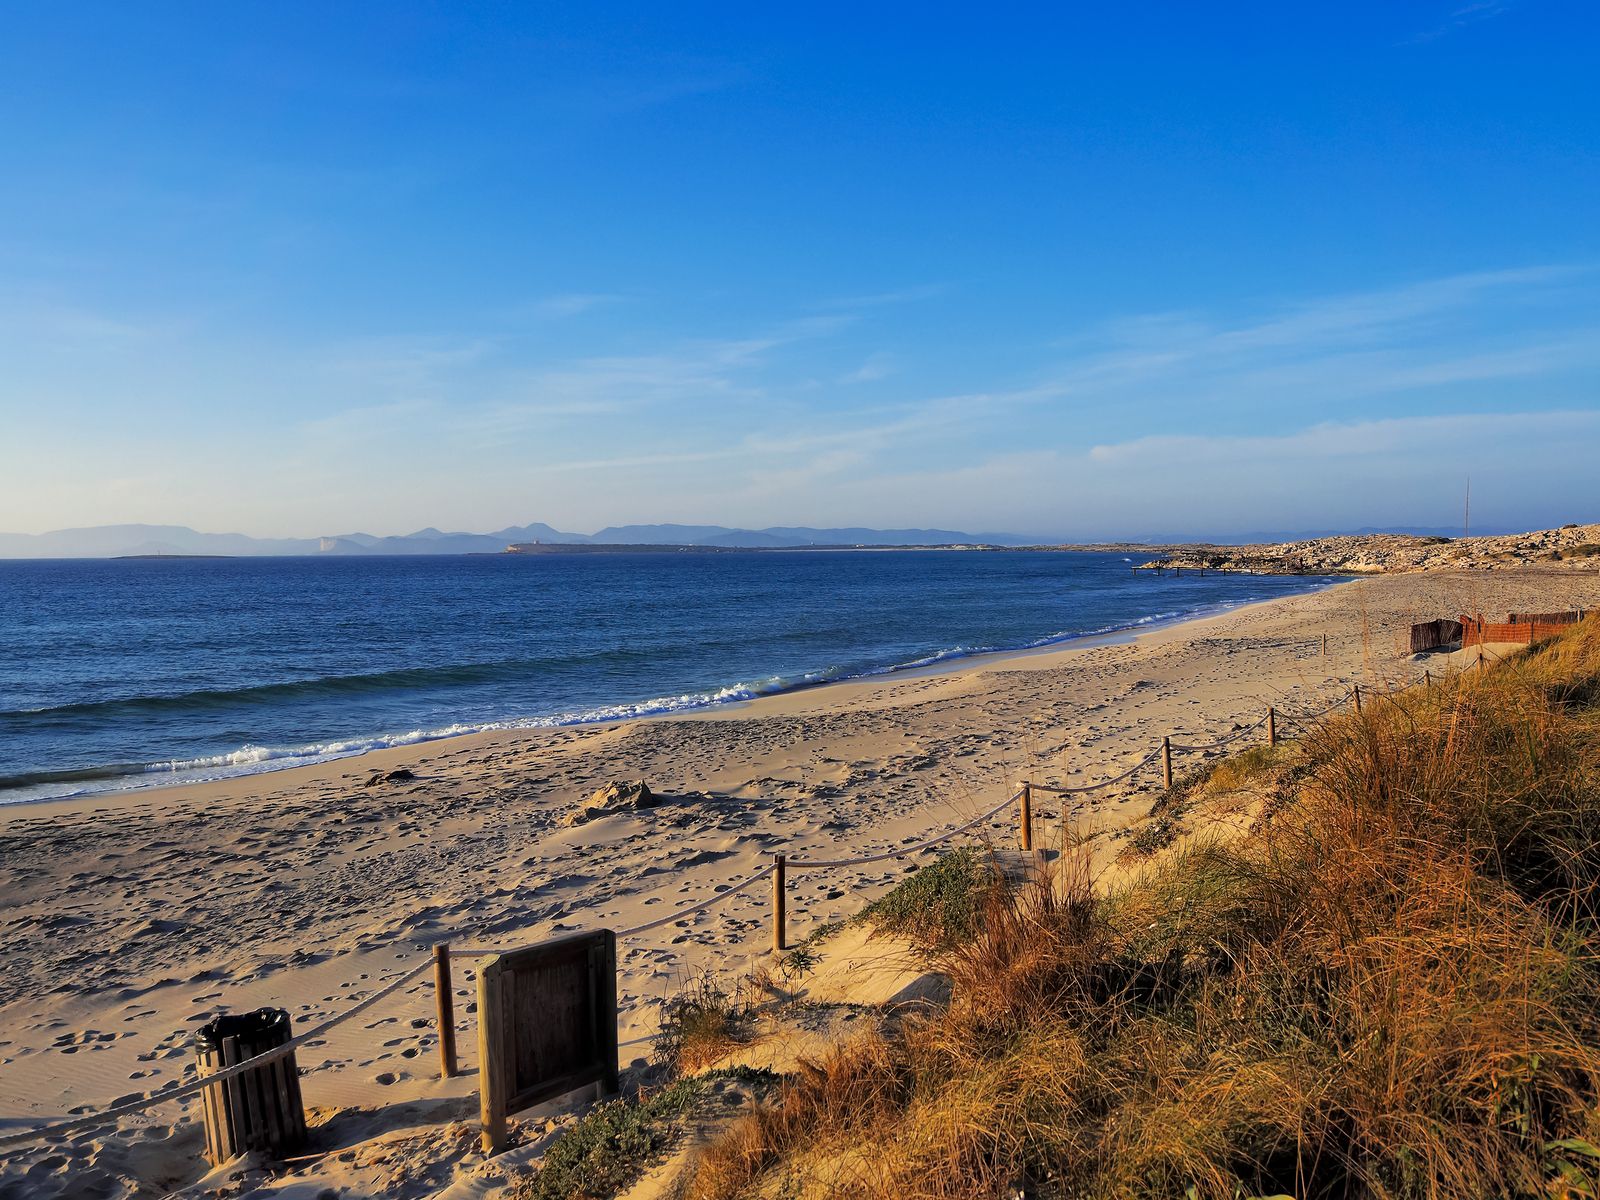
623 795
1571 546
398 775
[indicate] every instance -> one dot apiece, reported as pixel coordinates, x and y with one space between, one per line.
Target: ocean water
120 674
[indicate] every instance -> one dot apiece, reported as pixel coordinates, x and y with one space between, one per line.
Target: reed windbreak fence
1517 629
443 954
1434 635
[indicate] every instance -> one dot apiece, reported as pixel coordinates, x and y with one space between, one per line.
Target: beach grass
1389 986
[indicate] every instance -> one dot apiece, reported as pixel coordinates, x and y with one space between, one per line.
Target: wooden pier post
444 1004
1025 814
1166 761
779 903
1272 727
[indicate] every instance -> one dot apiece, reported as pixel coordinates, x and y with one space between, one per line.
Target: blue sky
1069 271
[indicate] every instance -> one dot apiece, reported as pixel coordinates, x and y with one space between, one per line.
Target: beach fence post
1358 699
1166 761
444 1003
491 1032
1272 726
1025 813
779 903
1427 680
1324 645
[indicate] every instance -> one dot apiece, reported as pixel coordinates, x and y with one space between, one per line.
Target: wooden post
1166 761
1272 727
491 1071
1427 679
1025 814
1358 699
779 904
1324 645
444 1003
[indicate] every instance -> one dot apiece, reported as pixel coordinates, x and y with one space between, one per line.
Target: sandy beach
130 919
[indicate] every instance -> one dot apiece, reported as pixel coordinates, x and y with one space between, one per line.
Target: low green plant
1153 835
937 906
610 1146
798 963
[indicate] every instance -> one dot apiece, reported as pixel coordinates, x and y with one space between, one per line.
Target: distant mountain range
111 541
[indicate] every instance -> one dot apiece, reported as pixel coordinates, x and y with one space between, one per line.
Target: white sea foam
252 760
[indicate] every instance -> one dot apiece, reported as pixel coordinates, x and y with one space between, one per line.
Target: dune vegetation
1384 981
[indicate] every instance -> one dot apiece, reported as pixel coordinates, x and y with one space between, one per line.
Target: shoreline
131 917
939 663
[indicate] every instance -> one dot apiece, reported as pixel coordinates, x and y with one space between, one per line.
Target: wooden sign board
547 1024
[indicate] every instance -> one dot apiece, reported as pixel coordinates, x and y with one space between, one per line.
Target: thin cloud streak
767 423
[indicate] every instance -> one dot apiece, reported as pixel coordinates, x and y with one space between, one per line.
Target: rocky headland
1573 547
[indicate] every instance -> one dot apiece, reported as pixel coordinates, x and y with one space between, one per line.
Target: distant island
179 541
166 541
564 548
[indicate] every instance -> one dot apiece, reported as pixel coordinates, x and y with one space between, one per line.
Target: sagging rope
195 1086
1315 713
817 864
1104 783
691 909
1232 737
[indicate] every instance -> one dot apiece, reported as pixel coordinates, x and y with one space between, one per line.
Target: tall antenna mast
1466 516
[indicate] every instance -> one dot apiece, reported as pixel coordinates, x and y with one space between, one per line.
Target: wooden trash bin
260 1109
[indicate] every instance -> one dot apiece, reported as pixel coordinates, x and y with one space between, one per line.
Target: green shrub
937 906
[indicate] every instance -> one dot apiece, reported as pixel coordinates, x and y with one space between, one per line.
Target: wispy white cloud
877 366
571 304
906 295
1451 330
408 359
764 422
1463 16
47 323
1403 470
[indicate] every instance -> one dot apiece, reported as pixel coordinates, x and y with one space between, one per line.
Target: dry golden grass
701 1024
1388 989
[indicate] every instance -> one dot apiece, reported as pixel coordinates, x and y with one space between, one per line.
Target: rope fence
195 1086
776 870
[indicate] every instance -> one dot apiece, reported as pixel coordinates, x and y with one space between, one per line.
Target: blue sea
132 673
